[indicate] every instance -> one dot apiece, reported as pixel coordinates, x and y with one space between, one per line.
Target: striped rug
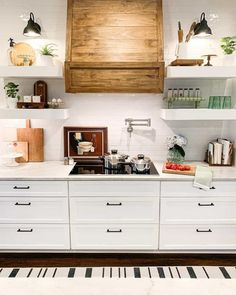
174 272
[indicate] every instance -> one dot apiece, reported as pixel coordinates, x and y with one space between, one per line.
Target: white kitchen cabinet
34 237
114 209
198 237
33 210
114 215
194 219
216 210
33 188
34 215
114 236
114 188
186 189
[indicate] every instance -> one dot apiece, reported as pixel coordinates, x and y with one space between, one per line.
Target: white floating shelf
44 114
214 72
31 72
198 115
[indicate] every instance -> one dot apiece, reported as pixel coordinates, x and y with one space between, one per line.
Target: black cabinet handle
212 187
21 187
22 204
114 204
25 230
203 231
206 205
114 231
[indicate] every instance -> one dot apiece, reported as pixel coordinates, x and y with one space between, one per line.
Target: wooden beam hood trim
114 46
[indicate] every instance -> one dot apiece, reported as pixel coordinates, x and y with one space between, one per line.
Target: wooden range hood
114 46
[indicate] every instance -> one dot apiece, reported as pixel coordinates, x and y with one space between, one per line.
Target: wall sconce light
32 29
202 29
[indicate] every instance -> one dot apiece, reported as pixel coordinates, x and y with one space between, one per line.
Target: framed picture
85 142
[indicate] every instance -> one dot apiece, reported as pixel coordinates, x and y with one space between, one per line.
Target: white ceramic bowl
85 146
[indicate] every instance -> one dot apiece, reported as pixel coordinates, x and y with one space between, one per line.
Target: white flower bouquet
175 146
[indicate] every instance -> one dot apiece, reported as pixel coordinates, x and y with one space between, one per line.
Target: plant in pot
47 54
12 97
228 44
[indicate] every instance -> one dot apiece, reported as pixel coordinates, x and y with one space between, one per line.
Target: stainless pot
114 160
141 163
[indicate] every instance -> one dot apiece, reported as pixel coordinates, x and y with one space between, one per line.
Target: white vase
12 102
46 60
229 60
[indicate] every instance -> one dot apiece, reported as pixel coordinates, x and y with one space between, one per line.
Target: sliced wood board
187 62
191 172
35 138
19 50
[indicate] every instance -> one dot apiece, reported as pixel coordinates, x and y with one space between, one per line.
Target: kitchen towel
203 178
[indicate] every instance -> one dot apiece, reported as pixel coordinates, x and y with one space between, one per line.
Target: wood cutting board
22 147
34 137
19 50
170 171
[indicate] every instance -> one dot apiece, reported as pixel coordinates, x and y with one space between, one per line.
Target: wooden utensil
21 50
21 147
190 172
34 136
191 31
180 33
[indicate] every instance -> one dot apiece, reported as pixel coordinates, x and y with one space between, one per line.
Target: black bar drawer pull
22 204
206 205
203 231
25 230
21 187
114 231
212 187
114 204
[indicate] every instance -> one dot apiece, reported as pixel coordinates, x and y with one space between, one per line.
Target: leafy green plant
11 89
48 49
228 44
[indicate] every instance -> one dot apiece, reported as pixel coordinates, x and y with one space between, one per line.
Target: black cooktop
93 167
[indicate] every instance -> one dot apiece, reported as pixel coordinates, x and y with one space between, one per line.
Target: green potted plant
12 97
228 44
47 53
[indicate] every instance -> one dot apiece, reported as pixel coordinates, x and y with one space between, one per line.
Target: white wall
111 109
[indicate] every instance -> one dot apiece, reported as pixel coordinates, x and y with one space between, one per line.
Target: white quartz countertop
56 170
117 286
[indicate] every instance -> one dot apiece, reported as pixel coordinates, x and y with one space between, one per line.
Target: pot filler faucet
136 122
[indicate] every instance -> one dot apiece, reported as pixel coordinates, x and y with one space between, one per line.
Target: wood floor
90 259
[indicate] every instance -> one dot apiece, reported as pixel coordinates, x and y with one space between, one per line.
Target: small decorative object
47 53
55 103
85 142
219 102
175 145
209 56
32 29
202 29
228 44
27 98
36 98
12 97
41 89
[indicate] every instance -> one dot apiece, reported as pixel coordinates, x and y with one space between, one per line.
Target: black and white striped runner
174 272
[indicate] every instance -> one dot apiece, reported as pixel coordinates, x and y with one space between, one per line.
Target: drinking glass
210 103
227 102
216 102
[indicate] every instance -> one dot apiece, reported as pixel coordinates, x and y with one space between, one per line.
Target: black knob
114 152
140 156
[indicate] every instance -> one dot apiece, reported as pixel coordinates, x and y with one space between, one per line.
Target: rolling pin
180 33
190 33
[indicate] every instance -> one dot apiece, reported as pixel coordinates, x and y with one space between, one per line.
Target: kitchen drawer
122 209
34 210
114 188
197 237
34 237
114 237
34 188
197 210
186 189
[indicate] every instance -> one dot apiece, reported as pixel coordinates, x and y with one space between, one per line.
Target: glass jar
175 156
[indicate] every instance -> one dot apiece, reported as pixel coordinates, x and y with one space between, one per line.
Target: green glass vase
175 156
